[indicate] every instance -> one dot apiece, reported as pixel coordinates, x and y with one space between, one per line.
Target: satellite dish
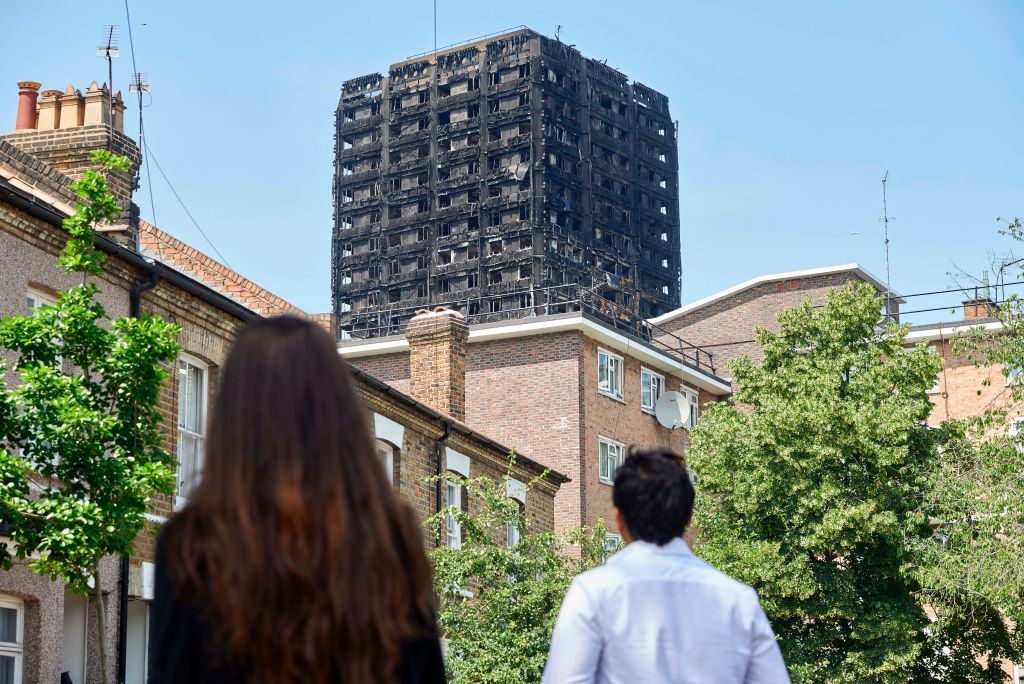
672 410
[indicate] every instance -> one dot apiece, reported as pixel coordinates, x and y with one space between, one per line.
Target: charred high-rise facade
507 177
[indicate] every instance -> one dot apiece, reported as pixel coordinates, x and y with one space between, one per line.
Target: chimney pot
49 110
28 96
72 109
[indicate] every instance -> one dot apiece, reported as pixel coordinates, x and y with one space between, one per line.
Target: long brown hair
307 565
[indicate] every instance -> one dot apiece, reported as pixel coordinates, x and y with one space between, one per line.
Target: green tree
813 489
978 490
80 444
499 602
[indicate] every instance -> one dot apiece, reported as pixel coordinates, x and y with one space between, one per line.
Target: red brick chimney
437 360
28 95
979 307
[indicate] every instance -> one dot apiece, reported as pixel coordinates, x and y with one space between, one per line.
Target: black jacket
182 649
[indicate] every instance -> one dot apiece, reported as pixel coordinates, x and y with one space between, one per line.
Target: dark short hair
654 492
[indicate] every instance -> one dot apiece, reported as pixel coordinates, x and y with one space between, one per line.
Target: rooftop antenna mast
108 49
558 33
139 84
885 224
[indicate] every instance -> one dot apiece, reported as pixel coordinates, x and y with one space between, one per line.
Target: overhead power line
182 203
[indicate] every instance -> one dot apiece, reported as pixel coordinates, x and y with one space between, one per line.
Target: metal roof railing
384 321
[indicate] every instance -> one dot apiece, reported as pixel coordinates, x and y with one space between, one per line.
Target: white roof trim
760 280
607 337
947 331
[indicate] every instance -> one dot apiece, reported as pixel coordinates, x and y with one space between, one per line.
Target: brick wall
538 394
964 389
67 151
417 460
726 327
622 421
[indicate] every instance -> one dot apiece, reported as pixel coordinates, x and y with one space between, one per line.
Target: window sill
614 397
605 481
648 411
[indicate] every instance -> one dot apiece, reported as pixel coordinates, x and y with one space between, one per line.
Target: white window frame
386 453
693 401
611 542
453 528
1018 674
613 454
199 436
15 649
39 299
512 532
612 386
656 380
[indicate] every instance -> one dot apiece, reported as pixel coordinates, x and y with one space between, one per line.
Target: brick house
150 272
724 322
569 389
963 388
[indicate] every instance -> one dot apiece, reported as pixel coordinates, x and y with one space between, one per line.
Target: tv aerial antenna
139 84
108 49
885 224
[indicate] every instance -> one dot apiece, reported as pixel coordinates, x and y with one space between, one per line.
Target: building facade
498 178
724 323
570 390
53 632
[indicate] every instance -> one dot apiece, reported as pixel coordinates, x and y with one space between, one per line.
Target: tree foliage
80 442
814 489
978 490
499 603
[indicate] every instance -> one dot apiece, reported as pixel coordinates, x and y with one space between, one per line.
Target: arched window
12 637
455 494
515 490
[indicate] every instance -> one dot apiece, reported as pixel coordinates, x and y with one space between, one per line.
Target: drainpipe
135 311
438 470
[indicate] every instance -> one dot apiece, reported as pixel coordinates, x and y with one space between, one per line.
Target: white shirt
660 615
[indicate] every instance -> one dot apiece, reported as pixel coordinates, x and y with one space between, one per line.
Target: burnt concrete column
437 360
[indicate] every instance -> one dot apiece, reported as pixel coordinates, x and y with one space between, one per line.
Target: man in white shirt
655 613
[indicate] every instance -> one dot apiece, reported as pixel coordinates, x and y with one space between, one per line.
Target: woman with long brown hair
294 560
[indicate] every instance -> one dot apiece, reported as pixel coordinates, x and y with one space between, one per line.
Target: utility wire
964 290
149 176
182 203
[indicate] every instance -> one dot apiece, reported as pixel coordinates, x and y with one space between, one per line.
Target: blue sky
789 114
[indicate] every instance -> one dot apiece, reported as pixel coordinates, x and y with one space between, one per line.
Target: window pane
190 459
195 382
603 460
7 666
645 389
182 392
9 625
